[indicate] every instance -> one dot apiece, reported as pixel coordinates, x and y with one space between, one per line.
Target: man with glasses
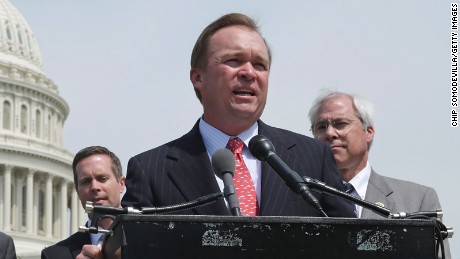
346 122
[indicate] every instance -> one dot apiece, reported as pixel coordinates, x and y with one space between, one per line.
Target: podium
204 236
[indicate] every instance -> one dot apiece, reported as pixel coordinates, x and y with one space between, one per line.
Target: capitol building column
75 205
7 198
63 212
49 206
29 201
17 180
36 205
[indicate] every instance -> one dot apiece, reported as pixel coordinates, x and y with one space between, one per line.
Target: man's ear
122 184
370 134
195 77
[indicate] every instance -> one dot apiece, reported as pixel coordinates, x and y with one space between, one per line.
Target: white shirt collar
215 139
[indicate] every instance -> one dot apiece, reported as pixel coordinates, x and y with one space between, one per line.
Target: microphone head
261 147
222 162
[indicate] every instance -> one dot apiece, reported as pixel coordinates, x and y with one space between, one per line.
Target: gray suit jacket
400 196
7 250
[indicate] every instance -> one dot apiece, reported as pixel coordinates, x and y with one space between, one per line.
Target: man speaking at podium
230 67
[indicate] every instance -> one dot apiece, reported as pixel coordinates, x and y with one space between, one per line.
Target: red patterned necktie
243 182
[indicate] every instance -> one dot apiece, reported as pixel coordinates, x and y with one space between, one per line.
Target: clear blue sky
123 67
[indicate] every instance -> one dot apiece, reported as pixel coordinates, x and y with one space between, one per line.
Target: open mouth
244 92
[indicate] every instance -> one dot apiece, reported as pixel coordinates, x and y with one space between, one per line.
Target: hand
90 251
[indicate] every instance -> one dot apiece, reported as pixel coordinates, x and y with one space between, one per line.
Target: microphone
262 149
223 165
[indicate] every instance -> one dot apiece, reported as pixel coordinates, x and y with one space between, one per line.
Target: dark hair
199 52
96 150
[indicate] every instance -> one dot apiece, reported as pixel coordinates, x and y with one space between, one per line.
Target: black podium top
203 236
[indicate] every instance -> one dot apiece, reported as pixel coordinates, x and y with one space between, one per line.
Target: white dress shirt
215 139
96 239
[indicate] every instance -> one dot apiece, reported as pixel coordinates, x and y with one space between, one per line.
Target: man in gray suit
7 250
346 122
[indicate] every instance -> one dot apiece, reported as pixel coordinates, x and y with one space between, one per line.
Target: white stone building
38 202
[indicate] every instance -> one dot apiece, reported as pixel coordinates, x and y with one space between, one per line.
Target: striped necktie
350 189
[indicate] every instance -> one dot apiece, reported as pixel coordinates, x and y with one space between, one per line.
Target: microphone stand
100 212
232 199
322 187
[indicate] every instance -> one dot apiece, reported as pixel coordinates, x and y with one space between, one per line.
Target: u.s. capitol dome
38 203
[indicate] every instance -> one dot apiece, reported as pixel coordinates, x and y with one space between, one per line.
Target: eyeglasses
341 126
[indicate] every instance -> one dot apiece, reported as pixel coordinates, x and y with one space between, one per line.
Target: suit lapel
273 194
378 191
192 173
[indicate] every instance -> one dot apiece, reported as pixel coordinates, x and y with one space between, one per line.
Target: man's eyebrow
83 179
233 53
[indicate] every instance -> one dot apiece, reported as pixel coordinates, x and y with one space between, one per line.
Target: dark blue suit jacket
180 171
7 249
68 248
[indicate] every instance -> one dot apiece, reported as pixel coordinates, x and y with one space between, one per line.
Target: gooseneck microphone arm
294 181
262 149
322 187
100 212
201 201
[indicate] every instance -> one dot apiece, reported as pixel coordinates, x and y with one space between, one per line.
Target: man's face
337 123
97 181
234 82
